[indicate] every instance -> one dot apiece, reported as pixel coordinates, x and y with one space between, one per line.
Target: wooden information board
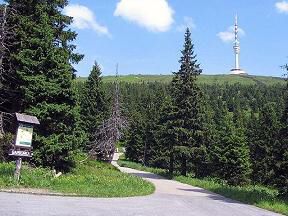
24 135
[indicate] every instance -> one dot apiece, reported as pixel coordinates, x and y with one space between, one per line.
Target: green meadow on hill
203 79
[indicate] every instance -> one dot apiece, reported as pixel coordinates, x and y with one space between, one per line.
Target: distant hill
203 79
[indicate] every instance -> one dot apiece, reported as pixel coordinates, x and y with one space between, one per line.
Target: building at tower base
238 72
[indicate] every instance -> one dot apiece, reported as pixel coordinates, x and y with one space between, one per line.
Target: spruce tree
43 63
186 97
149 139
230 154
263 145
281 156
134 143
202 163
166 137
93 102
153 108
10 94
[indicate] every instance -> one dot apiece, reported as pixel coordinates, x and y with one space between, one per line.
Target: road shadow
148 175
211 195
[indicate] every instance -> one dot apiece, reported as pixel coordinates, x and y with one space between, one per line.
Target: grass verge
260 196
90 178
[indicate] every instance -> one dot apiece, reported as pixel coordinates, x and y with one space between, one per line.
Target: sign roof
27 119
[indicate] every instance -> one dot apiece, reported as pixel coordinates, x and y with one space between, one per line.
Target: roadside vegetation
89 178
260 196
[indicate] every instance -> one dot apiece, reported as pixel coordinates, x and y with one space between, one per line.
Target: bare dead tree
107 135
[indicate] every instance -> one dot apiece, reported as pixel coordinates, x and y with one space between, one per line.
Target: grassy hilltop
203 79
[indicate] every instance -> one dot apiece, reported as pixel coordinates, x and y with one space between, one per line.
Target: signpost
22 146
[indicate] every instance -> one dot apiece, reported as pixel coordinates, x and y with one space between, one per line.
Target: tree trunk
1 125
145 153
171 165
184 166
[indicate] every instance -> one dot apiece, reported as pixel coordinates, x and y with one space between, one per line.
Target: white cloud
154 15
188 23
282 6
228 35
84 18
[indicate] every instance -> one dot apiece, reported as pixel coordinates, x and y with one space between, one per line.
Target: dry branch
106 136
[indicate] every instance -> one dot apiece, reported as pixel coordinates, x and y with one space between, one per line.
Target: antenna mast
236 70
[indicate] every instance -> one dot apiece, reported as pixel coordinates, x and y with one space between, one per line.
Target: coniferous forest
236 133
230 132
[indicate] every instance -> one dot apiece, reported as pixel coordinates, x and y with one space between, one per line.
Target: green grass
91 178
203 79
260 196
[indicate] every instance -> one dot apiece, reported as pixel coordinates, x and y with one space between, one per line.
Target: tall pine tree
263 145
10 94
281 155
187 97
230 153
93 102
135 144
166 137
43 63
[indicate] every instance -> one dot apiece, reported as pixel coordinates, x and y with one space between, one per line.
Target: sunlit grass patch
90 178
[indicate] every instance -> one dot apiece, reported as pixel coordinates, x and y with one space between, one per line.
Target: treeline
236 133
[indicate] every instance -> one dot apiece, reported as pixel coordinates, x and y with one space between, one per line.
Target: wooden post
18 168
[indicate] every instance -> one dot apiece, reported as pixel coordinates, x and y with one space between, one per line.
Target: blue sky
146 36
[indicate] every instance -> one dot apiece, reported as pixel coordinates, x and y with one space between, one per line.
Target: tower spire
236 47
236 27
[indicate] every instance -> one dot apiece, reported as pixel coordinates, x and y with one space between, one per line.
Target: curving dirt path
171 198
